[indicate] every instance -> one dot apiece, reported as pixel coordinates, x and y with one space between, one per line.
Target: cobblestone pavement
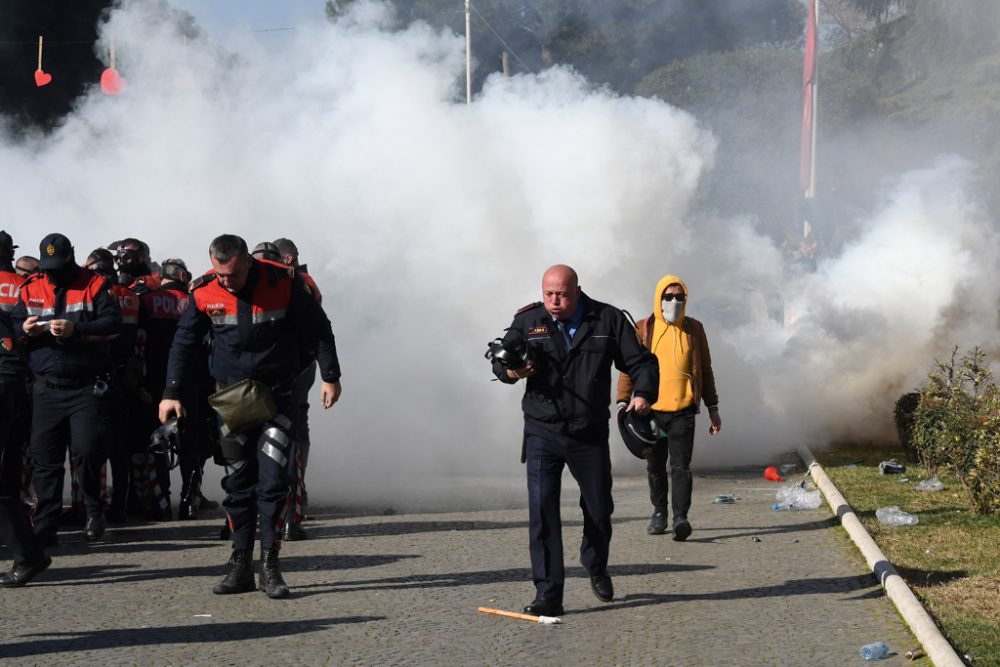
399 588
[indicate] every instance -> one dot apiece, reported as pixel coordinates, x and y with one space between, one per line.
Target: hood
658 297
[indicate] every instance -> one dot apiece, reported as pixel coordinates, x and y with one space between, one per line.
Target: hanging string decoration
42 78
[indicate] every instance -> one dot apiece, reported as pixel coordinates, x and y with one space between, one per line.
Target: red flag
808 90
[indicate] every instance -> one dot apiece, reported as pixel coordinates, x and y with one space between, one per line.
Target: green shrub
956 426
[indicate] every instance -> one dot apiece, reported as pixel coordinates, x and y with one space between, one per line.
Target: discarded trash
875 651
904 480
891 467
203 616
893 516
932 484
771 473
797 498
914 653
788 469
754 538
725 500
544 620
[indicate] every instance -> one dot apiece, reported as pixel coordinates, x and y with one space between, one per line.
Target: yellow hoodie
673 353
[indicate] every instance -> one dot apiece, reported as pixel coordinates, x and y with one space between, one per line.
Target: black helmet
512 354
639 433
166 440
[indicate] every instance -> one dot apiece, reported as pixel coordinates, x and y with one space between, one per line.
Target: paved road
382 588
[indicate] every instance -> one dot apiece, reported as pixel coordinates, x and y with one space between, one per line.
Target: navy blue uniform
258 333
70 399
15 530
566 414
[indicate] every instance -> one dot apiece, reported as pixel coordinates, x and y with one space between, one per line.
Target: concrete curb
937 647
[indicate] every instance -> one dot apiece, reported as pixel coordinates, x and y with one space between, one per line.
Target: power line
497 35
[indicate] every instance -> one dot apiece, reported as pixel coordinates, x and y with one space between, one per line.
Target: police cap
54 251
6 246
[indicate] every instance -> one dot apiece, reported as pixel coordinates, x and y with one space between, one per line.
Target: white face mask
672 310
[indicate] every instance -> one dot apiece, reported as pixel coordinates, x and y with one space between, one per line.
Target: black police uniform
566 414
15 530
70 399
257 333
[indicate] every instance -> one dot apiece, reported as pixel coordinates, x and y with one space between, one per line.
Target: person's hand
640 405
61 328
716 422
32 327
520 373
330 393
169 407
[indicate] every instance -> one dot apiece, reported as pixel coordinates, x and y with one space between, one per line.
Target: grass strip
951 559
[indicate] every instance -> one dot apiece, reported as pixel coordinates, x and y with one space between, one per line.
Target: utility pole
468 53
505 61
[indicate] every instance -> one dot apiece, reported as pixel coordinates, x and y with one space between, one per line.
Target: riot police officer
258 317
69 315
15 531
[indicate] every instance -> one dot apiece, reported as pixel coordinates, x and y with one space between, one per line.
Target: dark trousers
677 446
297 463
61 417
258 482
15 530
589 462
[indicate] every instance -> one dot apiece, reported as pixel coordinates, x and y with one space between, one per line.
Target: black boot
240 577
270 575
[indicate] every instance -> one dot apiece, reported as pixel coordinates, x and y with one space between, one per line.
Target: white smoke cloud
427 223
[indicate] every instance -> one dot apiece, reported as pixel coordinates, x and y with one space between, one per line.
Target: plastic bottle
875 651
797 497
893 516
932 484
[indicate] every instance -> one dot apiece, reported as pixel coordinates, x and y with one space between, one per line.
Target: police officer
258 317
160 311
69 315
26 265
572 341
15 531
125 387
288 253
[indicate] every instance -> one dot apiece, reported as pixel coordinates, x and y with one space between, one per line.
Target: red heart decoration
42 78
111 82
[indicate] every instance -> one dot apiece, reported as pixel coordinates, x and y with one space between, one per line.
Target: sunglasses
674 297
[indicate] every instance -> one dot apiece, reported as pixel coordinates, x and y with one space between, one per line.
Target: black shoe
602 587
94 529
657 523
682 529
19 575
543 607
240 576
270 575
186 512
293 532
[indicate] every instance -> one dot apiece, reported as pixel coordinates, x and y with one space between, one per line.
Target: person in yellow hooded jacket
686 380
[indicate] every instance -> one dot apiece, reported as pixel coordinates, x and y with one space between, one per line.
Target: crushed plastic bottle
875 651
795 497
725 500
932 484
893 516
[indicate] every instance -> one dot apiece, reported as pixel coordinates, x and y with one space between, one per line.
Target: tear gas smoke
427 223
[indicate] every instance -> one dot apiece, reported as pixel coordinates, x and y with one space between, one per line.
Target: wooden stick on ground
545 620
